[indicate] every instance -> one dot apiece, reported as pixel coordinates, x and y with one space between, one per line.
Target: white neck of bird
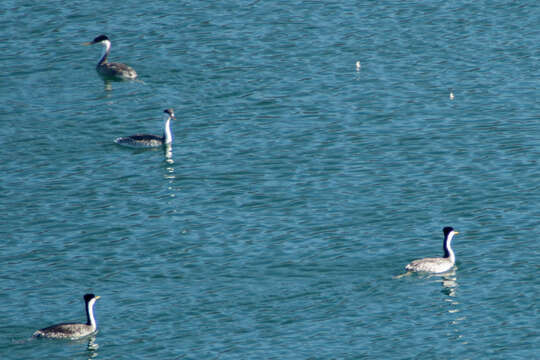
105 52
167 134
448 252
90 313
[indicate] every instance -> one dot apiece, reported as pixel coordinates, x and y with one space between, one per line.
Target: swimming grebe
437 265
146 140
73 330
111 70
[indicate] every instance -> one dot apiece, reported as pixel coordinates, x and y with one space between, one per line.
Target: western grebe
111 70
145 140
73 330
437 265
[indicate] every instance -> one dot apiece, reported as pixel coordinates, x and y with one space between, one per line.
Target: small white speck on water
358 66
451 95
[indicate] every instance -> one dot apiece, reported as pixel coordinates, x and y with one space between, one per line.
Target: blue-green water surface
298 187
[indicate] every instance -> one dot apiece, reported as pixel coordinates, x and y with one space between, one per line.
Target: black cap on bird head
100 38
447 230
89 297
169 111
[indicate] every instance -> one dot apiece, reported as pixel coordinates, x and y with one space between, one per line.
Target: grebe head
89 297
447 230
101 39
170 113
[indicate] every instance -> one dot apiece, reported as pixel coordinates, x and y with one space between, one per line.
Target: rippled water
298 186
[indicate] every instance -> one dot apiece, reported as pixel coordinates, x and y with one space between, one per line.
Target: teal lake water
298 186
